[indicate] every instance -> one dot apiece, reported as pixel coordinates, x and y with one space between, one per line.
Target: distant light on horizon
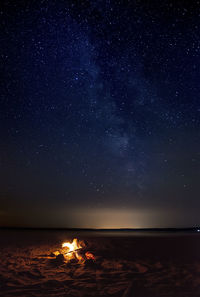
97 218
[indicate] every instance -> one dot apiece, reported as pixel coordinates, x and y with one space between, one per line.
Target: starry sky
100 113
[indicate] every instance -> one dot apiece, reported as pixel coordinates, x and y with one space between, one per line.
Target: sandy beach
126 264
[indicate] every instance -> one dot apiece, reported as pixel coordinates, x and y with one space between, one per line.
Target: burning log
71 252
59 260
75 251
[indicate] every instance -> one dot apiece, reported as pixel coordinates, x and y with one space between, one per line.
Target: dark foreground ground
128 265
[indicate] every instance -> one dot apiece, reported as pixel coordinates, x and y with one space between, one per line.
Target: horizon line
100 229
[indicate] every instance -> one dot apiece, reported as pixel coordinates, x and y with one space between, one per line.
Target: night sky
100 113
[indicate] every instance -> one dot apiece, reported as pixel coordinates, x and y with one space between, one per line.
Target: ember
89 256
74 250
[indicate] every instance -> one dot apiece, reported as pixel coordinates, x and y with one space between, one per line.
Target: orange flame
70 251
72 246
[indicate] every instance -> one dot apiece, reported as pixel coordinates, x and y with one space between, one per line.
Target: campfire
74 251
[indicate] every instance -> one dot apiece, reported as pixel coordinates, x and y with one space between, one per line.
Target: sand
128 265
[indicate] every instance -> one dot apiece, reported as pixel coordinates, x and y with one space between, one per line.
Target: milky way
100 110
